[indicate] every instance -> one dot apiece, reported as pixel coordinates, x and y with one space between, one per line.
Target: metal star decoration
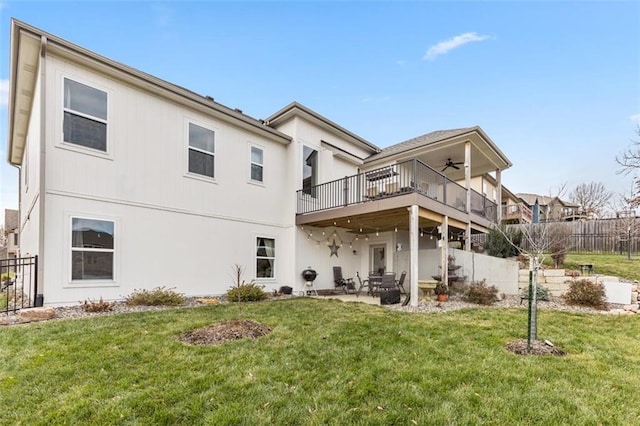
334 248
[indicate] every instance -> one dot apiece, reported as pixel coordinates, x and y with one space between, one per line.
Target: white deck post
444 250
467 181
413 252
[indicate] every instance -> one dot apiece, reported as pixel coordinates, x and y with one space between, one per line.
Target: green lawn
604 264
325 362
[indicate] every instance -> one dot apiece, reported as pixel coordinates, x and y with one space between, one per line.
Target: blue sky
556 85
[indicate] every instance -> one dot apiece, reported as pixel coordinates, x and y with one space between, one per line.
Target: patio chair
347 284
388 281
361 284
400 282
389 294
374 281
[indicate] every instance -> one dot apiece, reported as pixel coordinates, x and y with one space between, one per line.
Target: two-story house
128 181
551 209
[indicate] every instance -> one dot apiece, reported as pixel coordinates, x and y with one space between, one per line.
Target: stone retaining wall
557 282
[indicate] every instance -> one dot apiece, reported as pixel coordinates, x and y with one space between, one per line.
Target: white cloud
453 43
4 93
401 62
635 117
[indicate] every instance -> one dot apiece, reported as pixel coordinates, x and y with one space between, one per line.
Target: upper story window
257 164
85 116
309 169
201 150
92 249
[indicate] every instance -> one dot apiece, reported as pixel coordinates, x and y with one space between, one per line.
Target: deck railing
519 213
483 207
389 181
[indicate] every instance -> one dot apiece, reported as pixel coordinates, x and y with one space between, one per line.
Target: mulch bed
538 347
225 331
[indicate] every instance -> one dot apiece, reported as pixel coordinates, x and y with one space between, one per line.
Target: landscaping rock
632 308
36 314
5 320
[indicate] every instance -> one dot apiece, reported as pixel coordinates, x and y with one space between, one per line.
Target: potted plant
442 292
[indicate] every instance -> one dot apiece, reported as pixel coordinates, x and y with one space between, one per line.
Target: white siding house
129 182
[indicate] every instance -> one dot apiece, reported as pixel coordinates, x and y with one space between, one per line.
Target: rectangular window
92 249
309 169
257 164
265 257
15 239
85 116
201 150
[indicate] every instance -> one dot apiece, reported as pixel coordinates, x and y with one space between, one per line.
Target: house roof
28 42
443 138
543 200
420 141
11 219
296 108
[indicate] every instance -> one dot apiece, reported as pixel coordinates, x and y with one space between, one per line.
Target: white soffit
25 76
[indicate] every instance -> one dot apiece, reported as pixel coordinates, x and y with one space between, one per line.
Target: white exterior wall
313 251
172 228
30 181
503 273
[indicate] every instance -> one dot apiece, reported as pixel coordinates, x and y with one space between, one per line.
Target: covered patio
412 191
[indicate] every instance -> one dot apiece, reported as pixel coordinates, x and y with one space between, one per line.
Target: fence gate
18 283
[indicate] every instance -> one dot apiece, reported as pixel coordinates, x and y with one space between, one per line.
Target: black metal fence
18 283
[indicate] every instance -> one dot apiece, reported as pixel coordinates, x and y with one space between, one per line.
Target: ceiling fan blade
455 167
445 168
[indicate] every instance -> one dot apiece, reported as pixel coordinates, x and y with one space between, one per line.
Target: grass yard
604 264
325 362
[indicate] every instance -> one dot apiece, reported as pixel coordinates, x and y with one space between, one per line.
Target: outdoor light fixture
396 230
377 233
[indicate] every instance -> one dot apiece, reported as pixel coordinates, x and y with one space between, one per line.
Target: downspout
42 187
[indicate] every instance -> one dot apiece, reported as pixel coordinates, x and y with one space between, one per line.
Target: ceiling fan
452 164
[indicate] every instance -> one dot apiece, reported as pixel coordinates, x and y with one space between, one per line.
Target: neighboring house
550 209
11 234
116 166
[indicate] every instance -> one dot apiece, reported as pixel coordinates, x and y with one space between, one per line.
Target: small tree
538 239
627 224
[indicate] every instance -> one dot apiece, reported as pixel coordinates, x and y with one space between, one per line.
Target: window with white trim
257 164
201 150
85 116
265 257
92 249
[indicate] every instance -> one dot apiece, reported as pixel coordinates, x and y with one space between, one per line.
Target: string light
377 233
396 230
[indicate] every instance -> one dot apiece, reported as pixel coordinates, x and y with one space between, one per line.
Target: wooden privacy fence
592 236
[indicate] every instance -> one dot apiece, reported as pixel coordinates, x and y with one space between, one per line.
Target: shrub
246 292
503 243
99 306
481 294
159 296
586 293
542 293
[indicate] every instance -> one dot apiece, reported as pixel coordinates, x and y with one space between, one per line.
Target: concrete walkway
363 298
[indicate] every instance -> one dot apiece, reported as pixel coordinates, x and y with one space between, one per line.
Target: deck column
413 252
499 196
444 241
